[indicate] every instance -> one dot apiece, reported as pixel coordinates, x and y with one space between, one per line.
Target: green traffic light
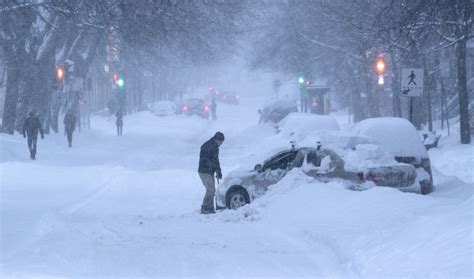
301 80
120 82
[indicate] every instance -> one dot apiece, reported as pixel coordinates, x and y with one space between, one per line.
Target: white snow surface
128 207
366 156
298 125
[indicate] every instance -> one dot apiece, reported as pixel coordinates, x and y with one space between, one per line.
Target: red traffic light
380 66
59 73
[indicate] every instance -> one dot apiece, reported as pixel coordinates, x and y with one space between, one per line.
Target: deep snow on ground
128 206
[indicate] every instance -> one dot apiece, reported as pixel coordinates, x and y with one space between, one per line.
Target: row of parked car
192 106
378 152
195 106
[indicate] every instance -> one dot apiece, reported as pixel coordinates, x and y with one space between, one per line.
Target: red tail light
206 108
185 108
371 177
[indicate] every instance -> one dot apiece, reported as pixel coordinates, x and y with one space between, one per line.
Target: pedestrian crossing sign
411 82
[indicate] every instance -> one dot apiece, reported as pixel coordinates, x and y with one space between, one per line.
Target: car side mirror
258 168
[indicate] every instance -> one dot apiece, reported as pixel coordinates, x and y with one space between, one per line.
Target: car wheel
237 198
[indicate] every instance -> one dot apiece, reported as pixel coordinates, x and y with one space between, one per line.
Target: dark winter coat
69 122
119 121
209 158
32 126
213 106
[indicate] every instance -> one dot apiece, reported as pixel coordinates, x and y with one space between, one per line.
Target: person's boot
207 210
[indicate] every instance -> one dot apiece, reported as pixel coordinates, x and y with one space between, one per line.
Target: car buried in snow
275 111
399 138
362 168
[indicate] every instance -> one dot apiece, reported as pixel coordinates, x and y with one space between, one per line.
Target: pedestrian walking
208 167
119 122
214 109
69 126
31 127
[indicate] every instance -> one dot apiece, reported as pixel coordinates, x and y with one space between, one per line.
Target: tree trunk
12 90
396 103
462 91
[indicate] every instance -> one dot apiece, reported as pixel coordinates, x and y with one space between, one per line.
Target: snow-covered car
296 125
244 185
163 108
275 111
398 137
197 107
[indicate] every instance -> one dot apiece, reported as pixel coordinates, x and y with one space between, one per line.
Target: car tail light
412 176
360 175
372 177
185 108
206 108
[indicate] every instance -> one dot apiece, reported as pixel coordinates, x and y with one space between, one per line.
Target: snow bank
128 207
453 158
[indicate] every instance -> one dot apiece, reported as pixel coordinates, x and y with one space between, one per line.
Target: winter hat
219 136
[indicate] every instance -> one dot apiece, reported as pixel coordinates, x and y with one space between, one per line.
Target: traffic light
118 80
301 79
380 66
59 73
381 80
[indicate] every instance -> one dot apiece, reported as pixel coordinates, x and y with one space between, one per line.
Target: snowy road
128 207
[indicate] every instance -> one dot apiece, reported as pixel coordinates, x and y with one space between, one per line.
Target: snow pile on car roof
299 125
396 135
279 104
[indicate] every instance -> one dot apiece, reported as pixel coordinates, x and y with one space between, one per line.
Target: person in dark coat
208 166
119 122
214 109
69 126
31 127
